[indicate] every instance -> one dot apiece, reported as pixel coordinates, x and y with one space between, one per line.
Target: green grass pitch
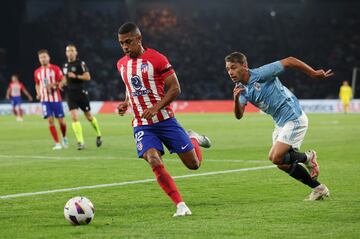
247 204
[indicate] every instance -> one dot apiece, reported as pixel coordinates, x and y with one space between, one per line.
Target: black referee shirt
78 67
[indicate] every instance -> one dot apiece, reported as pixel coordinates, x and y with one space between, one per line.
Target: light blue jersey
265 91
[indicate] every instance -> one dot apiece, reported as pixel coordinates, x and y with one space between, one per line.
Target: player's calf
190 159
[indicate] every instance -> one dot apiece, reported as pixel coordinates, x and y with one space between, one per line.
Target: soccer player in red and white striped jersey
47 78
14 92
146 73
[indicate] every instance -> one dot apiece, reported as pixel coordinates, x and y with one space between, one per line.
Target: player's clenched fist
122 107
237 91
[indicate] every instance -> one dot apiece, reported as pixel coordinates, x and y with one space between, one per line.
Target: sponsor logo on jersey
136 83
141 92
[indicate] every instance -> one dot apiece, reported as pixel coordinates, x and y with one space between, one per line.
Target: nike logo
183 147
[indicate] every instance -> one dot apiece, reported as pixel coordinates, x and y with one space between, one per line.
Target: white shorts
292 133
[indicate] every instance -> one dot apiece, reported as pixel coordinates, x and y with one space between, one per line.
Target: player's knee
88 116
275 158
195 165
74 118
51 121
153 159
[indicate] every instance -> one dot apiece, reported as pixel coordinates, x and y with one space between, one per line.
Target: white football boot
57 146
65 143
312 165
318 193
203 140
182 210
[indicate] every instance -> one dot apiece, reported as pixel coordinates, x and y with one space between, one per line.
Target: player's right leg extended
281 156
166 182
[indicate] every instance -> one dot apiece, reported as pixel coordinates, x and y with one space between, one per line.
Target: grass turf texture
254 204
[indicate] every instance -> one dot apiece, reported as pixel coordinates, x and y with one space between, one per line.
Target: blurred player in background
145 73
345 96
76 74
47 79
14 93
262 87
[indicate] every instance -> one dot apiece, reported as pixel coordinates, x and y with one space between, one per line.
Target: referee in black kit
76 74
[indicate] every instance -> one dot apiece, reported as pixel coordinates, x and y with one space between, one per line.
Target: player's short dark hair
41 51
71 45
236 57
128 27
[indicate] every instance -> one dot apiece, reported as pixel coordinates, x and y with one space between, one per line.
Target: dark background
194 35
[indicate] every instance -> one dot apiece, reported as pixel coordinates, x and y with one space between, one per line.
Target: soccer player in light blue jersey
262 87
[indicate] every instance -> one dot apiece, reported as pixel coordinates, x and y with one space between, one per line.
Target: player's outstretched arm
238 107
292 62
173 90
27 94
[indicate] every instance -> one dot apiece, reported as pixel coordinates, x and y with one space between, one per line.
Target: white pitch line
5 156
132 182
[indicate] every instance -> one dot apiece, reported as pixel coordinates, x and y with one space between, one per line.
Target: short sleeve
270 70
163 67
84 67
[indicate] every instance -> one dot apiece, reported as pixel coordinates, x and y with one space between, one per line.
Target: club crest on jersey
136 82
144 67
139 146
257 86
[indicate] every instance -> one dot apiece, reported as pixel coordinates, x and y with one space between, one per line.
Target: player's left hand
237 91
149 113
71 75
321 74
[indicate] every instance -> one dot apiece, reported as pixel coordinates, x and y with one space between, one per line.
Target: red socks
54 133
197 148
167 183
63 129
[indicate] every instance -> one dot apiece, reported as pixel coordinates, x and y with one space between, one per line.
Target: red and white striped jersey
15 89
144 78
45 76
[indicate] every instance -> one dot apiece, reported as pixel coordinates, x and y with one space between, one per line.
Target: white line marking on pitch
4 156
133 182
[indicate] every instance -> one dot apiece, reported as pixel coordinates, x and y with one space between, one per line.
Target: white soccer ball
79 211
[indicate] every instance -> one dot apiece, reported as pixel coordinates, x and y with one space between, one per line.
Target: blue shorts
16 100
51 109
168 132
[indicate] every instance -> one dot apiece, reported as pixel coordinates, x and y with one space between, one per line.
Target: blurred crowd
196 42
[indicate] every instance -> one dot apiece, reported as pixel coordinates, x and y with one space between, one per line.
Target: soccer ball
79 211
